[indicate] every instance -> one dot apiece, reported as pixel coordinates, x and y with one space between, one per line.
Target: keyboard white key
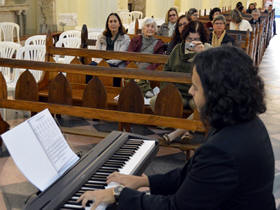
137 158
131 165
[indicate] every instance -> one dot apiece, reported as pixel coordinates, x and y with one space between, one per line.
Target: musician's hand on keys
133 182
98 196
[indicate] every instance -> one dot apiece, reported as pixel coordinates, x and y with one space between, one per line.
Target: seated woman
177 35
192 14
239 6
195 38
114 39
219 35
167 28
250 8
214 12
238 23
180 60
255 17
147 43
233 169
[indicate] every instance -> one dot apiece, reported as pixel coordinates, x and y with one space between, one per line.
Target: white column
123 5
158 8
91 12
186 5
46 15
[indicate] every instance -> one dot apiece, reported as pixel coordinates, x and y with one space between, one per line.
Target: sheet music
39 149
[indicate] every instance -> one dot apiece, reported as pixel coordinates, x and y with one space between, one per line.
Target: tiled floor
12 181
270 72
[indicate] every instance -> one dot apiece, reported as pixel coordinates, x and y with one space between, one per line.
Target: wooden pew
137 31
242 39
61 103
85 56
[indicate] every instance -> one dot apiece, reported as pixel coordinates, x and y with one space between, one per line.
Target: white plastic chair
67 43
125 17
136 14
8 50
32 53
36 40
94 36
8 29
70 34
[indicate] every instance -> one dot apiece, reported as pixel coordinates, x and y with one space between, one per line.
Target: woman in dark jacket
219 35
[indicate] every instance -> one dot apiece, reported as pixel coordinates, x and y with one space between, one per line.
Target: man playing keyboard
234 169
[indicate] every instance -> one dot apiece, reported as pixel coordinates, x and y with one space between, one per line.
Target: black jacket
233 170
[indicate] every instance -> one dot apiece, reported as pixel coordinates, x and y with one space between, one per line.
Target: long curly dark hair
233 90
195 27
212 12
107 31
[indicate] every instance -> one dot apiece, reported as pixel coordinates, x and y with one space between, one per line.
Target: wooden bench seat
77 95
24 92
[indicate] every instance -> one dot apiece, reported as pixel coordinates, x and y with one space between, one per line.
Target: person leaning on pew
114 38
234 169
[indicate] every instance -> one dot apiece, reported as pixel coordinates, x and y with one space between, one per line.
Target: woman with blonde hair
167 28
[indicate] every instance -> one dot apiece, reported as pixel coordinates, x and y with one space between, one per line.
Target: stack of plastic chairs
8 50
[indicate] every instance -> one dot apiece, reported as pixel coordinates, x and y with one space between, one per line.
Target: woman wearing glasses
177 35
219 35
195 39
167 28
180 60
